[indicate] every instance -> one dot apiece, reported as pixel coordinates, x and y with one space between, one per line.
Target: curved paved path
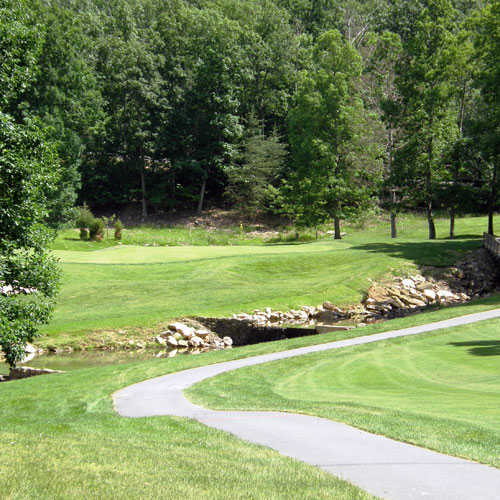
381 466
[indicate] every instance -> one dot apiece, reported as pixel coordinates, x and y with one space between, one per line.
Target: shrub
118 229
96 230
84 221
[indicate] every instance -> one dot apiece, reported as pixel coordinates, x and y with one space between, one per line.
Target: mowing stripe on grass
380 465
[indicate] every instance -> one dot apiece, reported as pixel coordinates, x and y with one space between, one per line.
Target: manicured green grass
60 438
440 390
128 286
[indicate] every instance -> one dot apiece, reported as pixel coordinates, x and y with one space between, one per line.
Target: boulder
195 341
445 295
182 343
429 294
160 340
172 341
227 341
202 333
186 331
408 283
175 327
27 371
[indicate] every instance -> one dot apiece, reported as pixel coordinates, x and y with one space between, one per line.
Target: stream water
87 359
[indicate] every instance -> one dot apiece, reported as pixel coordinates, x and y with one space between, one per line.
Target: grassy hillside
130 286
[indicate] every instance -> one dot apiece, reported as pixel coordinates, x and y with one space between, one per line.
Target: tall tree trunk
452 222
428 190
336 221
143 192
394 229
492 199
202 195
461 115
430 221
390 146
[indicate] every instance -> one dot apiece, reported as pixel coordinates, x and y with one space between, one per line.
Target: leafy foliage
28 178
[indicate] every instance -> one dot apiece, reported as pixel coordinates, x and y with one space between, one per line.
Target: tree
327 130
29 177
129 60
251 181
29 180
424 83
385 54
488 51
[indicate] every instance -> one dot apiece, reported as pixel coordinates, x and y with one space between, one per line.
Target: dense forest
314 109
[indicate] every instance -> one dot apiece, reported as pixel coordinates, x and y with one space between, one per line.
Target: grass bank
127 287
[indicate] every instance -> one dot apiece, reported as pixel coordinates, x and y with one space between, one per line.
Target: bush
118 229
96 230
84 234
84 221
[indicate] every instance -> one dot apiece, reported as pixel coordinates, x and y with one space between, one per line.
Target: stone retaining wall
244 332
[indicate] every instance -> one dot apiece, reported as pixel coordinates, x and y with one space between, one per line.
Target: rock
29 349
445 294
412 302
378 293
429 294
27 371
30 353
172 341
195 341
186 331
160 340
227 341
182 343
203 333
408 283
175 327
329 306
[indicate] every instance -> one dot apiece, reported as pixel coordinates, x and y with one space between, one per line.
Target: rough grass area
440 390
136 286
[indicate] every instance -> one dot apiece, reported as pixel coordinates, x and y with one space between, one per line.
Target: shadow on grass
443 252
480 347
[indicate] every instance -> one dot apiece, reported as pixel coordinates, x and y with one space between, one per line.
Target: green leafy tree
28 179
424 83
329 174
385 52
252 182
488 52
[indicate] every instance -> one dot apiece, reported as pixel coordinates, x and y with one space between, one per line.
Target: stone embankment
474 276
193 336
